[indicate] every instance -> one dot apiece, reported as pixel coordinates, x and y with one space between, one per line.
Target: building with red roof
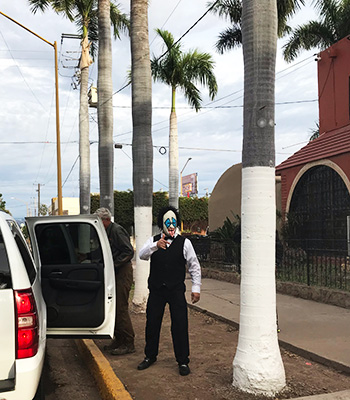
315 181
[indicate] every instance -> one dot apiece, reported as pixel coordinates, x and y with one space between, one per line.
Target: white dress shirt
194 268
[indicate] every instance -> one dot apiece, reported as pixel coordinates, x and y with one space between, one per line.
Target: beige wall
70 206
226 197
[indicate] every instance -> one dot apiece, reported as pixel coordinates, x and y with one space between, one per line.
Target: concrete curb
343 395
110 387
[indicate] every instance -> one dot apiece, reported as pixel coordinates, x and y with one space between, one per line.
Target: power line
31 90
223 106
189 29
172 12
71 170
174 44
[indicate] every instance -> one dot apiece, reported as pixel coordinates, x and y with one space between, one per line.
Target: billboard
189 185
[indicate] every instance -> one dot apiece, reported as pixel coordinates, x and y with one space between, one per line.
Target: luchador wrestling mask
169 221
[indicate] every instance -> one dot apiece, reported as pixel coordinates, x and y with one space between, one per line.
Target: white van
50 292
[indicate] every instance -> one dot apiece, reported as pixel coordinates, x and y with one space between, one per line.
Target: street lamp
58 140
189 158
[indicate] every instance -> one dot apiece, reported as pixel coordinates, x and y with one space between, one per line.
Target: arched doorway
318 210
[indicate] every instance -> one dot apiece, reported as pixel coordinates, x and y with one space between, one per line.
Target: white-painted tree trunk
142 149
143 231
257 366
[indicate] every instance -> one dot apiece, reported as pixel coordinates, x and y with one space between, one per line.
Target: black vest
168 266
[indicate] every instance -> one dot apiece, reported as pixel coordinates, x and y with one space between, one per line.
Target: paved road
65 374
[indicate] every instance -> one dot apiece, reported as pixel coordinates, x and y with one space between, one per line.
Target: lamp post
189 159
24 202
58 140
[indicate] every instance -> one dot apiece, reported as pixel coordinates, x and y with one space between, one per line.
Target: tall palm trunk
142 149
105 106
173 156
257 366
84 142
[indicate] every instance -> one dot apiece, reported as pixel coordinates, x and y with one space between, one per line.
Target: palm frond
286 8
120 21
229 9
168 39
65 7
192 95
308 36
327 9
39 5
199 67
229 39
184 70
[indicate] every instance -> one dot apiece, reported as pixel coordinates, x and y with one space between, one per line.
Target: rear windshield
5 275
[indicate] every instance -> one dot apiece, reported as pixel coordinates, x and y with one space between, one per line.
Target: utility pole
38 190
58 135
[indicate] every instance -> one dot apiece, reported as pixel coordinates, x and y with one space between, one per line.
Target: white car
66 289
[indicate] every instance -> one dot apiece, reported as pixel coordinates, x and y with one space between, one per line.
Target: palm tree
142 148
257 366
84 14
105 105
181 71
315 132
332 26
231 37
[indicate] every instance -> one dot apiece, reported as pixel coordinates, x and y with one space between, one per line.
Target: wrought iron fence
225 254
295 261
315 267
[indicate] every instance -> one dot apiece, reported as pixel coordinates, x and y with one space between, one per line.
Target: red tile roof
329 144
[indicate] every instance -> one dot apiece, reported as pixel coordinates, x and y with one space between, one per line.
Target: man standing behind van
122 251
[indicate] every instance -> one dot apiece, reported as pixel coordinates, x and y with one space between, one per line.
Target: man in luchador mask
169 253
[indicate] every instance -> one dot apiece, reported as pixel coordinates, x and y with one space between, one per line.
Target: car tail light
26 324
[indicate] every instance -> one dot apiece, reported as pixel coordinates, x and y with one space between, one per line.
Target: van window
68 243
5 274
23 249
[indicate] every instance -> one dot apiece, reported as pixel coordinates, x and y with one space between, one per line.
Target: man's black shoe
184 369
147 362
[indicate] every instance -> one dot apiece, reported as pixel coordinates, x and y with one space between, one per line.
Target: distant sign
189 185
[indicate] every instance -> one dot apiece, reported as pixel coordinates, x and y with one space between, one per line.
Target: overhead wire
226 96
172 12
205 107
19 69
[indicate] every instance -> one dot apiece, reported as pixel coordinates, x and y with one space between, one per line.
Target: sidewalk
313 330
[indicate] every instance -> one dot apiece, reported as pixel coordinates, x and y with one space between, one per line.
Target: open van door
77 274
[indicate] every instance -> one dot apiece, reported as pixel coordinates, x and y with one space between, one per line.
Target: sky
212 138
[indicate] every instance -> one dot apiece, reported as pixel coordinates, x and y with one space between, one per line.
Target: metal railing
311 266
315 267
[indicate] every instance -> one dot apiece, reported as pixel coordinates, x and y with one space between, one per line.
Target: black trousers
157 300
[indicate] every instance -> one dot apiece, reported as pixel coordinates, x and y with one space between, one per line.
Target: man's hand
195 297
162 243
